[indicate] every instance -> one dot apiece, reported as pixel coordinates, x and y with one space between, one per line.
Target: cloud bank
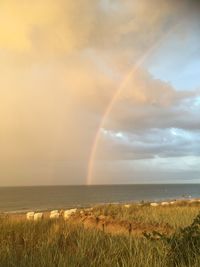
62 62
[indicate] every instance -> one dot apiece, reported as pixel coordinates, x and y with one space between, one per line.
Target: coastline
161 203
24 199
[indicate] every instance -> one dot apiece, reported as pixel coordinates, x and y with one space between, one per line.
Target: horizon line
90 185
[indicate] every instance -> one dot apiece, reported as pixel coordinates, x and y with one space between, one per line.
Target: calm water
51 197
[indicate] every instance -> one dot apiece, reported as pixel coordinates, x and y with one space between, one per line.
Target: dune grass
175 215
59 243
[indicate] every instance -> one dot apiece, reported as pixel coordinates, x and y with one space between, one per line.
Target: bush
183 245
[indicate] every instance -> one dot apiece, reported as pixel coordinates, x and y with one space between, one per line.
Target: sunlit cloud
62 62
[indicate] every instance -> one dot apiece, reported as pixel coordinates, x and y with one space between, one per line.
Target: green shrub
183 246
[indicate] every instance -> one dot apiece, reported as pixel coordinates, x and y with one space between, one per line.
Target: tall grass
60 244
63 244
174 215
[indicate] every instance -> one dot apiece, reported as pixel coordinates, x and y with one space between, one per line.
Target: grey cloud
148 130
150 144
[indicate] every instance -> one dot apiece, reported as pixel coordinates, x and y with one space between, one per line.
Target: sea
38 198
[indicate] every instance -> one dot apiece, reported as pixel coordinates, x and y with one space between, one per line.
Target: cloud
46 25
49 27
151 119
62 62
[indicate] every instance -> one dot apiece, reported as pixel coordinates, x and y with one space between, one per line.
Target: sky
99 92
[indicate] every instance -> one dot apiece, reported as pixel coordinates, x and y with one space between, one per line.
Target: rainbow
122 85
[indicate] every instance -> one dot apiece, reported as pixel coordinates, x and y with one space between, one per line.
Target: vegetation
183 245
178 215
59 243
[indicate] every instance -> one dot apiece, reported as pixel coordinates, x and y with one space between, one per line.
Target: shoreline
119 219
177 201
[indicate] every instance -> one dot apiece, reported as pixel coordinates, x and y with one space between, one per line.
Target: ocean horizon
26 198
